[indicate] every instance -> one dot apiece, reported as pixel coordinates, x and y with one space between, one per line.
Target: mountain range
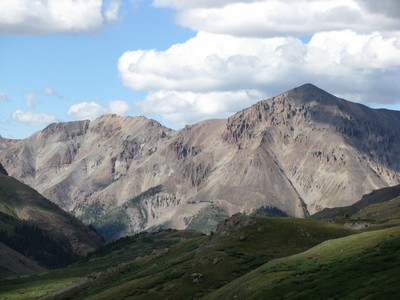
294 154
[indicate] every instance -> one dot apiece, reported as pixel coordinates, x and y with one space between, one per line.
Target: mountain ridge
299 152
28 217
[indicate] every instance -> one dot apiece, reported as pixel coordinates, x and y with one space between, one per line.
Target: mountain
331 150
38 231
296 153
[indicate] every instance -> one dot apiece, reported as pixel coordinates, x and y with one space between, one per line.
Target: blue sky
184 61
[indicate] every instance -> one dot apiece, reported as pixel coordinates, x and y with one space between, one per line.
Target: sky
183 61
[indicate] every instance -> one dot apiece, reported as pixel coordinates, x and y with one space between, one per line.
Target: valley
245 258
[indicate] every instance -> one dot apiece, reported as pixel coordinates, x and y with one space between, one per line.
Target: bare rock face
298 152
6 143
331 150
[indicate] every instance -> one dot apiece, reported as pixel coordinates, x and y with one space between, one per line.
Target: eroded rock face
331 150
299 152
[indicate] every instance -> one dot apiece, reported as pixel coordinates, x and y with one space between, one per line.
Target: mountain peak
308 93
309 86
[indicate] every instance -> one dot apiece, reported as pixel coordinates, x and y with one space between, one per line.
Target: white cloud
187 4
118 107
50 16
183 108
283 17
212 75
30 99
92 110
209 62
33 118
112 11
49 91
86 110
245 50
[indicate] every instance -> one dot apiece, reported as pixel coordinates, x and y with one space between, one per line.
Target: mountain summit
296 154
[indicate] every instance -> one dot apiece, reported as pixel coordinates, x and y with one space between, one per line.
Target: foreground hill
362 266
177 264
296 153
39 230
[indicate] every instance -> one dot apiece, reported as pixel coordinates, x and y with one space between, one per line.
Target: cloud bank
284 17
244 51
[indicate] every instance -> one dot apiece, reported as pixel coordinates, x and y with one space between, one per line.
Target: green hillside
178 264
362 266
353 211
247 257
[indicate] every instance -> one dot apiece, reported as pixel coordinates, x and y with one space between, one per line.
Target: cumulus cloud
247 50
32 118
30 99
209 62
51 16
118 107
284 17
213 71
86 110
92 110
181 108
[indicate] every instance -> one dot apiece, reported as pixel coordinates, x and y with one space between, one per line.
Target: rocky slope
5 143
299 152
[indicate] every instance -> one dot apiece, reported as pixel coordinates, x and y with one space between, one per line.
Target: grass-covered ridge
179 264
247 257
361 266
